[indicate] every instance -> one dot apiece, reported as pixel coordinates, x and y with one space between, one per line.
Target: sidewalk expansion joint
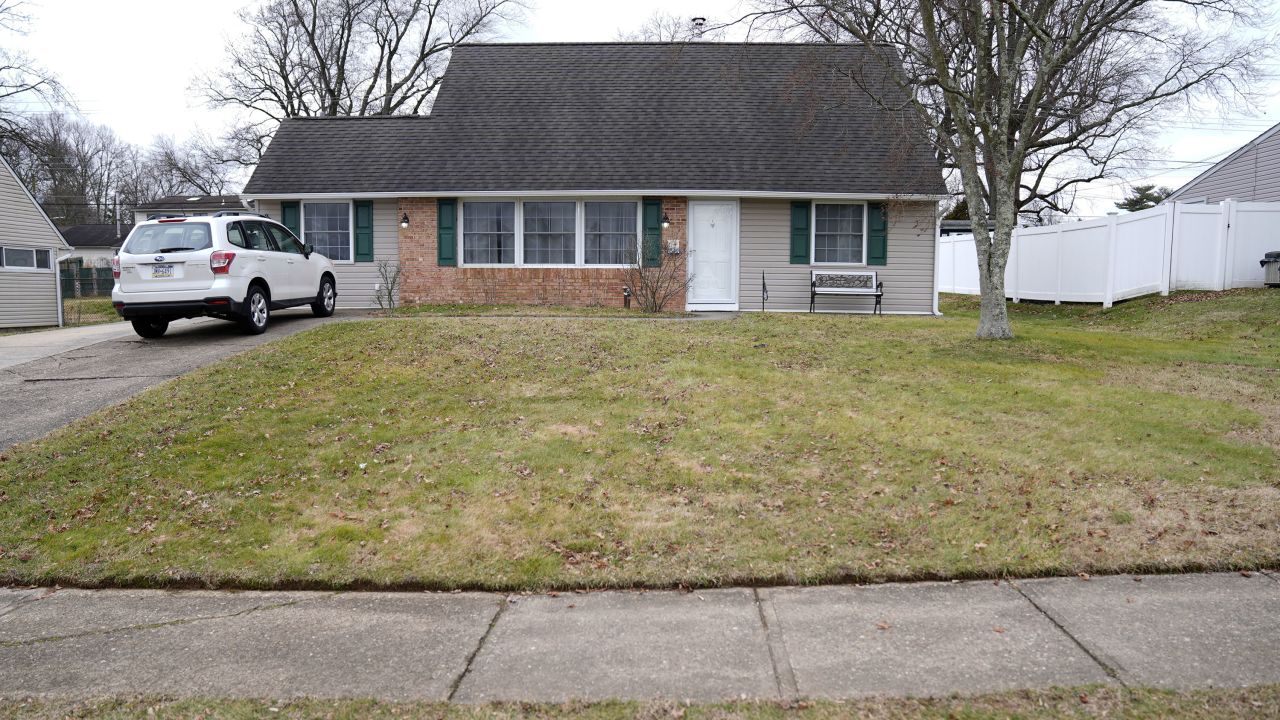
153 626
466 667
1112 672
783 673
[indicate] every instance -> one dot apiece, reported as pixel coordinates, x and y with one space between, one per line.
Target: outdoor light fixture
404 221
666 221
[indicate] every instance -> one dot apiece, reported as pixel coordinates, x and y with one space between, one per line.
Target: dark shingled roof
95 235
193 202
625 116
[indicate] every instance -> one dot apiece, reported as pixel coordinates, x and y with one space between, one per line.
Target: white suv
231 265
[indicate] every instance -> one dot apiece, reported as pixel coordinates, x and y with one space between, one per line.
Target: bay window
550 232
489 233
610 236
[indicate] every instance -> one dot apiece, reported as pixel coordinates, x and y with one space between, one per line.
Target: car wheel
150 327
257 311
326 299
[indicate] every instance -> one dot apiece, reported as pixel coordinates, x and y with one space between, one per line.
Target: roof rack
225 213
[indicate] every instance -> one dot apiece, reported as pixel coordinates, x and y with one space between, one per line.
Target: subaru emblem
159 258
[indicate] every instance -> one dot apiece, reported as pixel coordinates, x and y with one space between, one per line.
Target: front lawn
539 453
1086 702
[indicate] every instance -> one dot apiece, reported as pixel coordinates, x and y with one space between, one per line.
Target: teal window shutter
800 214
364 230
877 234
652 232
291 216
447 233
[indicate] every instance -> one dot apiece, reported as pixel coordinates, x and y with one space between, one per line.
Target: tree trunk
993 315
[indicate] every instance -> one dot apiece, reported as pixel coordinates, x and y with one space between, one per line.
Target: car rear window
169 237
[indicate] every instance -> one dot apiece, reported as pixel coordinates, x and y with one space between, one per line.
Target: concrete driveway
53 377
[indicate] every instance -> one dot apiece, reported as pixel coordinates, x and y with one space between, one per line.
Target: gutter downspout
57 285
937 245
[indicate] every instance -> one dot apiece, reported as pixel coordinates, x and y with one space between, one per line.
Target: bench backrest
850 282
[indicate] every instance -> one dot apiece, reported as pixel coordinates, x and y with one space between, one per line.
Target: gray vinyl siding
28 298
356 281
766 245
1253 175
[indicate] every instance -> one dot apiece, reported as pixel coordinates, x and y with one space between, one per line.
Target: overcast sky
129 64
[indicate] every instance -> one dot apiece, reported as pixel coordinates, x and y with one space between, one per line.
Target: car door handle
261 259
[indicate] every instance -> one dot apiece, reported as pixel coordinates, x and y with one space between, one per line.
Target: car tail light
220 262
115 267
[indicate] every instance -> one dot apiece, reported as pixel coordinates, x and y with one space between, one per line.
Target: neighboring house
545 168
187 205
1251 173
96 243
29 249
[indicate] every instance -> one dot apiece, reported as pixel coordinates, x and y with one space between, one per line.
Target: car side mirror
307 250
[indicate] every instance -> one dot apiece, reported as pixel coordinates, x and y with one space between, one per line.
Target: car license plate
161 271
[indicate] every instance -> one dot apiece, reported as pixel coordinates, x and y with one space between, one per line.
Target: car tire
257 311
326 298
151 328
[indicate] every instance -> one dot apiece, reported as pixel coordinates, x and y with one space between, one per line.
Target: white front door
713 255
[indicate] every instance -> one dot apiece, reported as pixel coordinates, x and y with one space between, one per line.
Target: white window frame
351 226
813 233
580 231
34 268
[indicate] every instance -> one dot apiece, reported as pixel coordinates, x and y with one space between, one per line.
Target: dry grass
551 453
1073 703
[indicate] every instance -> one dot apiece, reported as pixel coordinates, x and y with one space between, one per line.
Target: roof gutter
249 197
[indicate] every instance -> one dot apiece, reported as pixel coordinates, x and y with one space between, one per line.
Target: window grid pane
489 232
837 234
327 226
550 233
19 258
611 236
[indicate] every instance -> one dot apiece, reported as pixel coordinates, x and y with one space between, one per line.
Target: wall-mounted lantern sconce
666 221
404 221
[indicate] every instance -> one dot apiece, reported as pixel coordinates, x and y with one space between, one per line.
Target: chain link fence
86 281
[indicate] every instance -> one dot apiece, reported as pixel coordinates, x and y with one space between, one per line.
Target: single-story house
186 206
1251 174
30 246
95 243
545 169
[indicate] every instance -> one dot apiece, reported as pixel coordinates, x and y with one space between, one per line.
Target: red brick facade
424 281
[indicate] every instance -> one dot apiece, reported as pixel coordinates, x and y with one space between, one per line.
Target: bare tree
654 287
666 27
84 173
22 81
1030 99
302 58
387 293
198 165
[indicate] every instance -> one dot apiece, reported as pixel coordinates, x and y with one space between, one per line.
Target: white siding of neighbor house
1253 175
93 256
28 298
356 281
908 276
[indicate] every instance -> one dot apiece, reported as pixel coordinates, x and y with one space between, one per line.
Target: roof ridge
359 117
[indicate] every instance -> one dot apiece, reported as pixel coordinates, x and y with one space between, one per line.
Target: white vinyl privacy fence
1177 246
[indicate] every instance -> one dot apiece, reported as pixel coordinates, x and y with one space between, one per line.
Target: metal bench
845 282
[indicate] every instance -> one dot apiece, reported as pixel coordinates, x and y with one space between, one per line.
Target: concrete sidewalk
1187 631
